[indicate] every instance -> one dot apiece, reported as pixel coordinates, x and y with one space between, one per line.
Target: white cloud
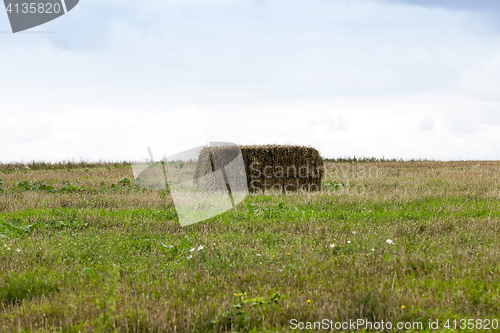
330 123
483 80
350 77
427 124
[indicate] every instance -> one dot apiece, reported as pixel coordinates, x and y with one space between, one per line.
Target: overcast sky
395 79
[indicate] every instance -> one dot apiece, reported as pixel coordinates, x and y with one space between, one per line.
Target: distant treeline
34 165
372 160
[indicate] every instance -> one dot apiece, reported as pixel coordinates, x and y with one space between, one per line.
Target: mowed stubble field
104 255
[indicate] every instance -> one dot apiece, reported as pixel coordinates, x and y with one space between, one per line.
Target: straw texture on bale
278 167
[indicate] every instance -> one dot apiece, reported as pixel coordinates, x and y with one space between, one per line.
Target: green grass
25 286
70 265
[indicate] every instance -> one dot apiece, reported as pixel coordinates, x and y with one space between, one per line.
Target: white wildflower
200 247
390 242
190 256
258 254
348 242
354 232
192 249
332 245
18 250
373 249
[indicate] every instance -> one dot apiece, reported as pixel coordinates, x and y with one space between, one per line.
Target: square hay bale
269 167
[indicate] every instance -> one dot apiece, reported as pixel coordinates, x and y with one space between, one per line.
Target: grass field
84 250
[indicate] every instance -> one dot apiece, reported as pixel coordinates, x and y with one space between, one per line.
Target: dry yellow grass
106 267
